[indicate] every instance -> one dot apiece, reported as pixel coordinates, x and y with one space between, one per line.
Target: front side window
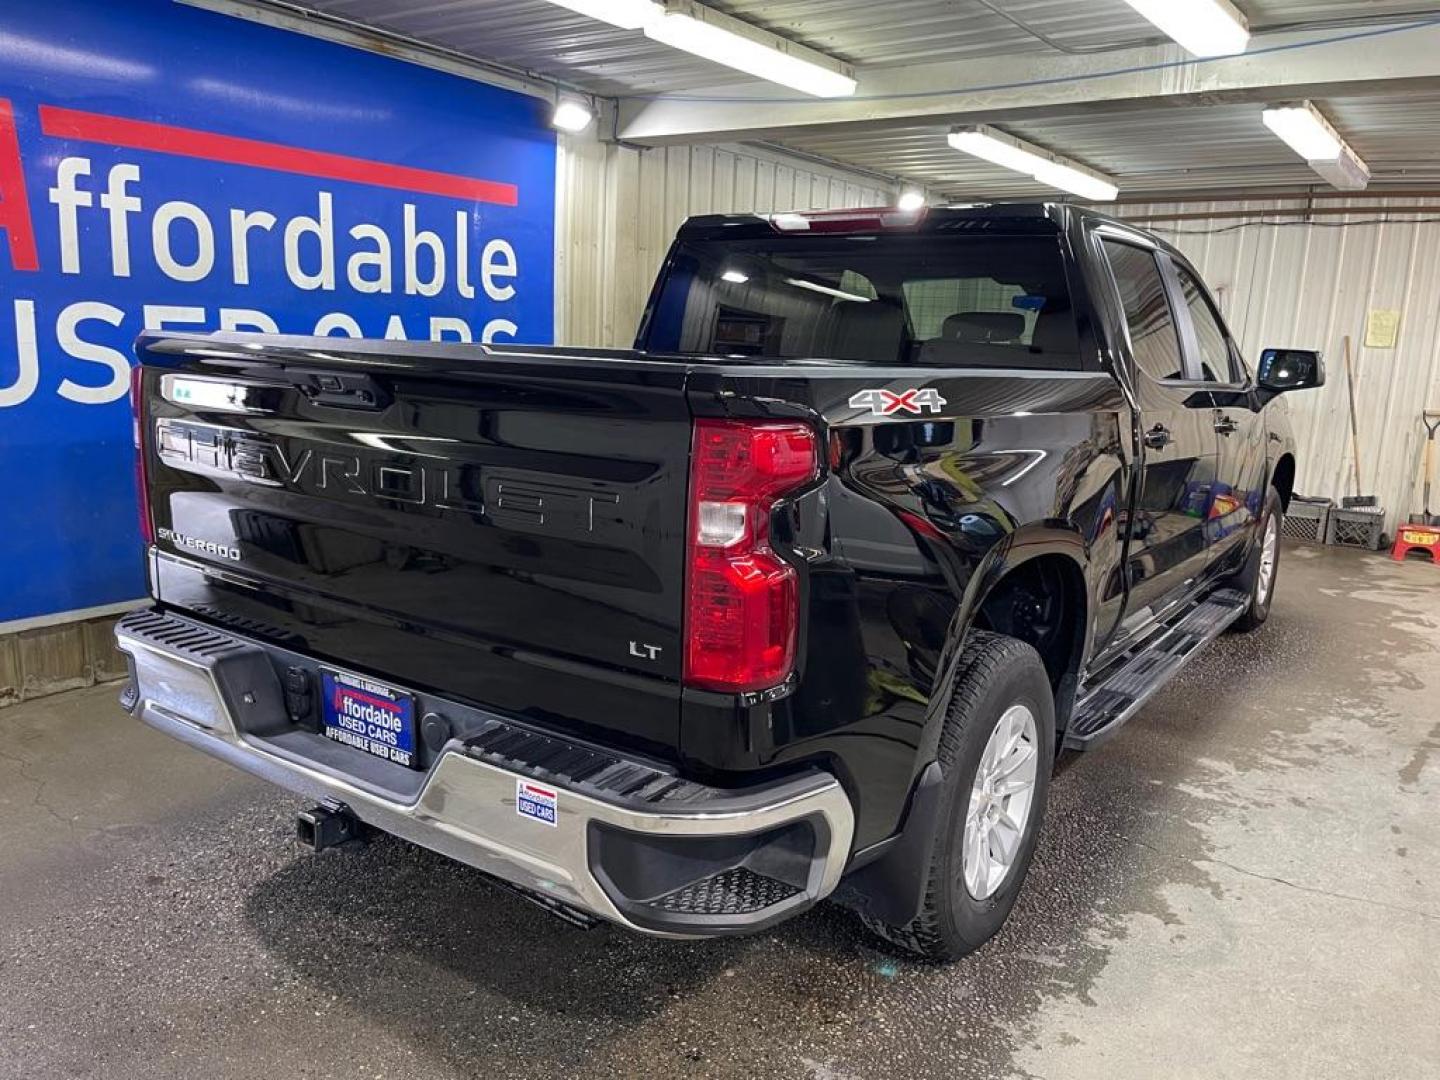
1215 360
967 301
1153 337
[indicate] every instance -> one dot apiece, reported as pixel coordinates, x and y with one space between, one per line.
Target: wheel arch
1042 557
1282 478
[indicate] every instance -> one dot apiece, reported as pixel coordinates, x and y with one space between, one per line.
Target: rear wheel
1263 565
996 753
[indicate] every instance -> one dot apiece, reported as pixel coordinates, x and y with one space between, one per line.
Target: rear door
506 528
1168 543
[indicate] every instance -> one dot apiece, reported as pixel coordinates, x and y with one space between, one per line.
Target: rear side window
1153 336
963 301
1210 337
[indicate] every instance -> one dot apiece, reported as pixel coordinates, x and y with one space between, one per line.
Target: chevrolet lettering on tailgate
528 503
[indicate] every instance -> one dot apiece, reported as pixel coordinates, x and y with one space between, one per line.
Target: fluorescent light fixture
571 115
995 146
814 286
723 39
735 277
626 14
1347 173
910 199
1200 27
1085 184
1304 130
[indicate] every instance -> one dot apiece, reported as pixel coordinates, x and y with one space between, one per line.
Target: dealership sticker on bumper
540 803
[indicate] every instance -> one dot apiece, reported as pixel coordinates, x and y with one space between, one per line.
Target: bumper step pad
737 891
1103 706
581 768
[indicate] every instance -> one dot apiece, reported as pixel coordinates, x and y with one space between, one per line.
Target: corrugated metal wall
1289 281
619 207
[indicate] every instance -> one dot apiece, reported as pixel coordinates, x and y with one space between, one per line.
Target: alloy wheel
1001 799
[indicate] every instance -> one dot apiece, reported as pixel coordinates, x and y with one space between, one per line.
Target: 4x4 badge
890 403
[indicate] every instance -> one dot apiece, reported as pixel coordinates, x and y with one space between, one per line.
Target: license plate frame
369 716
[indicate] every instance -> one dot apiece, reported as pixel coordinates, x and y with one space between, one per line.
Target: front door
1239 491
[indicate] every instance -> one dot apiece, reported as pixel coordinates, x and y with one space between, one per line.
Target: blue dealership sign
163 167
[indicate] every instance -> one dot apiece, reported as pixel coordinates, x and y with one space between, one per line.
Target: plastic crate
1357 526
1305 520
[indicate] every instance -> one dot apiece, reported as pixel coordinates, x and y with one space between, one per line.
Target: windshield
969 301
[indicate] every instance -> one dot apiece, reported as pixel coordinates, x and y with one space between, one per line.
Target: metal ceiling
1164 149
539 37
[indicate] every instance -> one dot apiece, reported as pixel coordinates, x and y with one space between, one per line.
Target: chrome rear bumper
630 854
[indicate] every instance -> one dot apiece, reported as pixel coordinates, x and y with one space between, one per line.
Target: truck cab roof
1007 217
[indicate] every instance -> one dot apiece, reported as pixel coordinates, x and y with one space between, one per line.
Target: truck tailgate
505 526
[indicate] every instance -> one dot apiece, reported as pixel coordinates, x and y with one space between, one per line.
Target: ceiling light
626 14
1201 27
995 146
725 40
839 294
571 115
1085 184
910 199
1347 172
735 277
1304 130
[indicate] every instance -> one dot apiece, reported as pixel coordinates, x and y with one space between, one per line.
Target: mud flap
892 887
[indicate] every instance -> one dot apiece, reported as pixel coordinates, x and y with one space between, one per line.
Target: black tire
1272 516
994 673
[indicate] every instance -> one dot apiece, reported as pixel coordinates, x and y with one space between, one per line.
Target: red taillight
741 598
142 486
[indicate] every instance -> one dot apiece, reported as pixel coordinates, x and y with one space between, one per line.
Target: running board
1101 709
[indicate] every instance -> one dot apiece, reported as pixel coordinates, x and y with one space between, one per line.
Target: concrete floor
1245 883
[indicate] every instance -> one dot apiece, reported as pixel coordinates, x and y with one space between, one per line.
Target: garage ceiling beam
1311 64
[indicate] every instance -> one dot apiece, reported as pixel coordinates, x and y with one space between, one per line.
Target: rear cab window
919 298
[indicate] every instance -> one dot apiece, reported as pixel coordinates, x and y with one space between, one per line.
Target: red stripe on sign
14 206
188 142
373 699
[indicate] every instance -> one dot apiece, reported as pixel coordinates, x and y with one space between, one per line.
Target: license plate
369 716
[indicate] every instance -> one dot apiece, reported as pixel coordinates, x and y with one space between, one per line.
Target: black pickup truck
799 598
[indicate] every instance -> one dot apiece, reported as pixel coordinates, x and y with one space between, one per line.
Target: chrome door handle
1158 437
1225 425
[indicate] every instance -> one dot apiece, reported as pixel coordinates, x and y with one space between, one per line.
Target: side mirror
1290 369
